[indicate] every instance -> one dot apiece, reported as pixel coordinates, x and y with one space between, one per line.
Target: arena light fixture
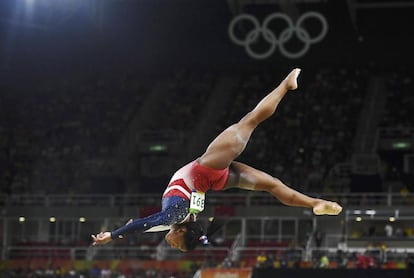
392 219
157 148
52 219
82 219
22 219
401 145
370 212
358 219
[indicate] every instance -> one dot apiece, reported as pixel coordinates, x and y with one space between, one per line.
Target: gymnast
217 170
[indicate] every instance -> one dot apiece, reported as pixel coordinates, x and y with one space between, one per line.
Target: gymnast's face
175 237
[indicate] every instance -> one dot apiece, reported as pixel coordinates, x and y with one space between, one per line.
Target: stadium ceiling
236 6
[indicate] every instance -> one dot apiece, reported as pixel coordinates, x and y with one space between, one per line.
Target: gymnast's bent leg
249 178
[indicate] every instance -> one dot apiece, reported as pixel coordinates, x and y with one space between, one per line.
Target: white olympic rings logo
270 37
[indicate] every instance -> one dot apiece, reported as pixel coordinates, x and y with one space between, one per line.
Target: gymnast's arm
136 226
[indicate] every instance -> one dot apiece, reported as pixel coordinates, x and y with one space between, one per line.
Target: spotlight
30 2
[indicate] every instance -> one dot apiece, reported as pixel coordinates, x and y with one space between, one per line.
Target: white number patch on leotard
197 202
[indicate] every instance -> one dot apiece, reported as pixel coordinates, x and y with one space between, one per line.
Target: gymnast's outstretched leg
232 141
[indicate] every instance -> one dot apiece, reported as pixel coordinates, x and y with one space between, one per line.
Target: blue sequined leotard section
174 210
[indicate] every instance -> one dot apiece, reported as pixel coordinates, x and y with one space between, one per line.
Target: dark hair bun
193 234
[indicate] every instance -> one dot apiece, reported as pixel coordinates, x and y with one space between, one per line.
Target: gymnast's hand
105 237
101 238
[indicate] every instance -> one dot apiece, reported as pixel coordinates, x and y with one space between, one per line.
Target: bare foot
292 79
327 207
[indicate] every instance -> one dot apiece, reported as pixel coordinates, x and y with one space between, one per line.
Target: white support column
243 231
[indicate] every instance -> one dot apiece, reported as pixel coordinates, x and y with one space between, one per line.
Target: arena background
102 100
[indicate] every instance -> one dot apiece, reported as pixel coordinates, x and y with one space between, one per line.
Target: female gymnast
216 170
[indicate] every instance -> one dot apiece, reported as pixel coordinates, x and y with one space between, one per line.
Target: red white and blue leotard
195 176
175 199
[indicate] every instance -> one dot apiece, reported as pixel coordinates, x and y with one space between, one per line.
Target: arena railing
379 254
247 254
215 199
143 252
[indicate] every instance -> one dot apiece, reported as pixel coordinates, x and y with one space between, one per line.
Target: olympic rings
270 37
